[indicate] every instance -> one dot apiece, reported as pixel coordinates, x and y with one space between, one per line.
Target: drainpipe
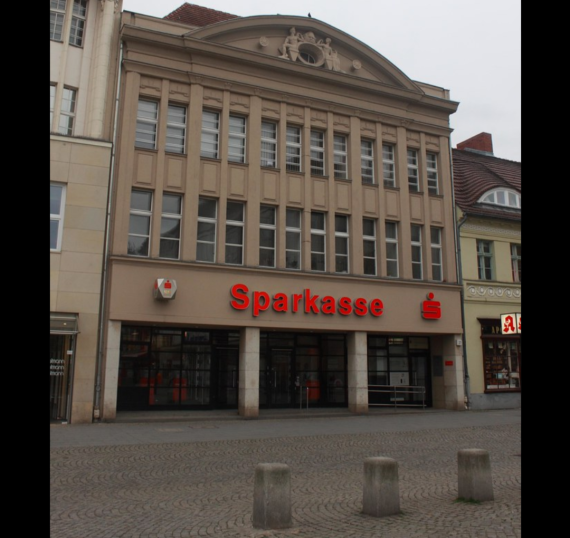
459 269
102 301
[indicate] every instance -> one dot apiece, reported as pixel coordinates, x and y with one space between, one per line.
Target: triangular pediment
306 41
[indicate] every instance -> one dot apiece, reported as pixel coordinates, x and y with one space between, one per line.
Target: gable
308 42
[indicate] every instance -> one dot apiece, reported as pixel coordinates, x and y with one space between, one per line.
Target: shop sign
511 323
164 289
310 303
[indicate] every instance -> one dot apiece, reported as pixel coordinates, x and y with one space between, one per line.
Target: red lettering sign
431 309
306 302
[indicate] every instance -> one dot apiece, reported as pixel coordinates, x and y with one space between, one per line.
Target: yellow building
83 62
488 199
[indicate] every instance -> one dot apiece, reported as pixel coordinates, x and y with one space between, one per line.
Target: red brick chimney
482 142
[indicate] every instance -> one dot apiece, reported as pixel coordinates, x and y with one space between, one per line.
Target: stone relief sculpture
306 49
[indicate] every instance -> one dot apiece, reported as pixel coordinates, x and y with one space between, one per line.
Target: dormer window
502 197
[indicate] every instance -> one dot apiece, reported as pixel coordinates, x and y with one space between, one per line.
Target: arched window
502 197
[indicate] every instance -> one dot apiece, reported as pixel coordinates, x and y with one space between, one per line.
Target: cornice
497 291
501 228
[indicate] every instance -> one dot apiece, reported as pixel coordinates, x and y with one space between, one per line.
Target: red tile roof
194 15
476 173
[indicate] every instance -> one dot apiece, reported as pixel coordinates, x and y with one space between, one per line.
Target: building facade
83 63
283 228
488 197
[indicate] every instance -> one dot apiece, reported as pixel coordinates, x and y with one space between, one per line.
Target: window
236 144
293 239
78 22
176 129
210 134
417 272
56 205
139 223
341 243
170 226
485 260
207 221
67 113
413 179
392 249
388 165
340 157
147 121
235 216
516 262
367 161
56 18
52 89
436 254
318 236
502 197
293 149
433 184
267 236
268 144
369 246
317 153
501 358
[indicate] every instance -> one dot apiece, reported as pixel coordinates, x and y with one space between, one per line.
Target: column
357 372
248 397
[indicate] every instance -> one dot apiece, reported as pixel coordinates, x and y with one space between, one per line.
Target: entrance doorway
276 386
60 368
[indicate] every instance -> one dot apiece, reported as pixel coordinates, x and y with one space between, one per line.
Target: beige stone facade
231 81
83 61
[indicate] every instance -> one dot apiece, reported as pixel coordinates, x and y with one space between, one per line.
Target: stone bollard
272 496
474 475
381 494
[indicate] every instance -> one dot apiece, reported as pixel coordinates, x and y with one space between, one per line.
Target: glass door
277 387
60 372
227 377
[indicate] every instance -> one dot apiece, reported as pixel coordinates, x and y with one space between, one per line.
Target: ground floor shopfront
174 368
223 338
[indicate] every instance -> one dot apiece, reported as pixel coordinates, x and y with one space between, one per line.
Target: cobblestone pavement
205 488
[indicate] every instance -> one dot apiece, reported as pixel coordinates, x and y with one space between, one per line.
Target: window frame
432 175
413 170
340 156
369 239
176 129
291 230
167 215
436 252
59 216
392 240
293 150
78 23
319 232
52 94
367 161
207 219
67 114
271 227
341 237
58 13
213 132
417 254
237 139
145 125
239 224
492 197
141 213
268 144
485 260
516 253
317 152
389 165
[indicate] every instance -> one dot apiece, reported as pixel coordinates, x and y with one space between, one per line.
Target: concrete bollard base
272 496
381 493
474 475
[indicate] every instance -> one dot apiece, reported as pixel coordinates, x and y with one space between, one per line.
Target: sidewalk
191 476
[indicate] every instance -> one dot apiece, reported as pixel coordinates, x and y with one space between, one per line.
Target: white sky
473 49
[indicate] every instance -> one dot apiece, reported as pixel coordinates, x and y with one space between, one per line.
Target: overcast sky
473 49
